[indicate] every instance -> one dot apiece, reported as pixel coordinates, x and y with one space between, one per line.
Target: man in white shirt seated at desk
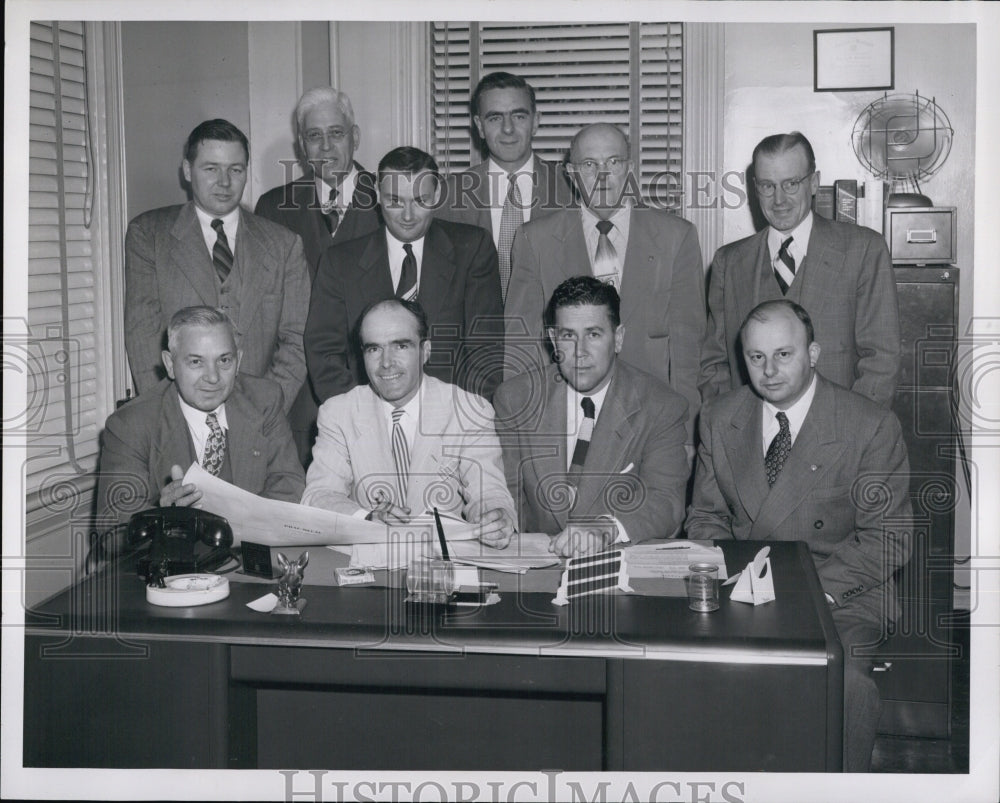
407 442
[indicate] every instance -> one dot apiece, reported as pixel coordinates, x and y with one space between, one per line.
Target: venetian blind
60 350
628 74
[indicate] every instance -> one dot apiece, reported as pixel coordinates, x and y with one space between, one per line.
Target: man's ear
813 354
168 363
619 337
356 136
425 352
534 127
239 359
186 168
479 127
814 183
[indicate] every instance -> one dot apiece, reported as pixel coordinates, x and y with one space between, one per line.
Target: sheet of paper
670 560
276 523
526 551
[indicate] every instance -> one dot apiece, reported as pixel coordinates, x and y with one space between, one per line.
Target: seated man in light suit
796 457
594 449
840 272
407 442
512 185
210 251
205 411
651 256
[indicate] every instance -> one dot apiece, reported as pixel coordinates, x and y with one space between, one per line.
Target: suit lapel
642 257
436 405
549 466
745 454
244 442
570 255
823 260
375 280
372 462
816 448
437 269
173 445
256 263
191 256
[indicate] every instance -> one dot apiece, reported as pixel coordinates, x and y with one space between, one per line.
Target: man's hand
577 540
177 493
496 528
385 511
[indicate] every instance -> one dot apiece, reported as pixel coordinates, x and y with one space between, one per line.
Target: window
617 73
66 347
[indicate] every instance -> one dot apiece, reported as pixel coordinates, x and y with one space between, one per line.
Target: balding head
601 168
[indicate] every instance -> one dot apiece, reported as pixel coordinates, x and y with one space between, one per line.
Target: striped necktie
215 446
582 439
407 287
222 255
400 455
606 257
331 215
784 267
511 217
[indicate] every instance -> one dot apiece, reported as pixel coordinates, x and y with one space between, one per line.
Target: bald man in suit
796 457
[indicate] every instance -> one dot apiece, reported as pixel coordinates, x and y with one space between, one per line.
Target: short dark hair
578 291
500 80
761 312
217 129
196 316
412 307
779 143
407 159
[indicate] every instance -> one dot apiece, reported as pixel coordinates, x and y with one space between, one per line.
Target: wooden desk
363 681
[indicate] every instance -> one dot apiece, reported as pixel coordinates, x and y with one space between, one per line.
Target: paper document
525 551
670 559
276 523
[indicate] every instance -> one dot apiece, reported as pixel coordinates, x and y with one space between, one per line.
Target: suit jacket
455 461
167 267
147 436
662 294
846 285
467 197
296 207
459 290
844 489
636 468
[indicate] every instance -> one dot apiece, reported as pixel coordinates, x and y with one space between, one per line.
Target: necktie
331 215
606 258
215 446
407 287
511 217
784 268
222 255
400 455
582 439
778 451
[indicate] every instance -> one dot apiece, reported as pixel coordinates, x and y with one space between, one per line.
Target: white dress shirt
397 255
199 429
230 225
618 235
800 241
345 192
499 187
796 416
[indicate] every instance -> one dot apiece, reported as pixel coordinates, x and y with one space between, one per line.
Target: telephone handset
182 540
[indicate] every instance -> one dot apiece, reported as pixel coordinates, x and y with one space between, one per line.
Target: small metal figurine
290 584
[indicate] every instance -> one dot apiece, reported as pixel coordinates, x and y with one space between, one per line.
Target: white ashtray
183 590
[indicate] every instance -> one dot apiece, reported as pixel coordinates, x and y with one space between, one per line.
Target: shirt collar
575 397
618 217
228 221
800 237
797 412
196 418
345 190
494 169
411 408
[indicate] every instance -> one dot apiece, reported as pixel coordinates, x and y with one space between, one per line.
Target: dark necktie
785 271
407 287
606 258
582 439
222 255
400 455
778 451
215 446
331 215
511 217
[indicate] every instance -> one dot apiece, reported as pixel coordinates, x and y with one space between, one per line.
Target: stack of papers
525 551
670 560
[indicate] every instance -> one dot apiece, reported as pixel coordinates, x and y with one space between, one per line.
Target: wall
768 88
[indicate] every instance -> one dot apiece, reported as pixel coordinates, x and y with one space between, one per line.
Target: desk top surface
796 627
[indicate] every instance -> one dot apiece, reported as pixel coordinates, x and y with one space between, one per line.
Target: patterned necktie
215 446
407 287
331 215
778 451
606 258
511 217
582 439
784 268
400 455
222 255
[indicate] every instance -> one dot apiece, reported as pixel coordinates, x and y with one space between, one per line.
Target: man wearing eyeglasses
651 257
334 201
840 273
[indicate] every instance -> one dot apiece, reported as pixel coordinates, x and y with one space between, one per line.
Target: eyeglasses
789 186
316 137
590 167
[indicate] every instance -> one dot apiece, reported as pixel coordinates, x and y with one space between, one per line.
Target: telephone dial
182 540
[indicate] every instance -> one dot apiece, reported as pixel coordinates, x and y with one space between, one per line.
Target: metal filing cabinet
914 664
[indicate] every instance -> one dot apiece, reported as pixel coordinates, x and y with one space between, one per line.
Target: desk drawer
432 670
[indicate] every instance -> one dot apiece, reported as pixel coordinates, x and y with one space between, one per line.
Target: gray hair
321 96
196 316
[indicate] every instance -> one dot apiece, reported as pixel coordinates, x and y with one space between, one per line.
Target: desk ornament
599 573
290 585
754 584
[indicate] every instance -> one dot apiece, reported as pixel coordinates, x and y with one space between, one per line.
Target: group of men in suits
391 308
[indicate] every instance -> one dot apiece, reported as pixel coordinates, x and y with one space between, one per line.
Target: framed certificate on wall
850 59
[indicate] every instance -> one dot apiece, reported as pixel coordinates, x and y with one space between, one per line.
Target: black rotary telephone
182 540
